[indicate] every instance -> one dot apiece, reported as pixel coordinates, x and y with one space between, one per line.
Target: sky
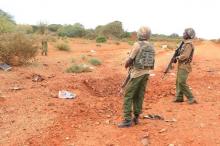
162 16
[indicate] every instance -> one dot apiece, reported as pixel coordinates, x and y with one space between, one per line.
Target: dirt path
32 117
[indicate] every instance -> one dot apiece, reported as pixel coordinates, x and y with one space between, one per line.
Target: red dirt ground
32 116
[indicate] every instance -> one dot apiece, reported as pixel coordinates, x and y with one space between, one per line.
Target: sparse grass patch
101 39
62 46
83 56
95 61
78 68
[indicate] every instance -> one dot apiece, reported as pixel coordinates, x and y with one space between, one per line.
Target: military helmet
144 33
190 32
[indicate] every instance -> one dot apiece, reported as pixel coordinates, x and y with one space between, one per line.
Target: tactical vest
188 60
145 56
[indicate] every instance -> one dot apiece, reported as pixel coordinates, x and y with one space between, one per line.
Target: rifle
173 59
127 79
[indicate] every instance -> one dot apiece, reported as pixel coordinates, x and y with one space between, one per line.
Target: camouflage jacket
185 54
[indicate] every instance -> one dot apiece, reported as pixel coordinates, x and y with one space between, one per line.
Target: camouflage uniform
184 68
44 46
135 89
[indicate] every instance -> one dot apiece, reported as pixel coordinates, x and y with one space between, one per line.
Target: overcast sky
162 16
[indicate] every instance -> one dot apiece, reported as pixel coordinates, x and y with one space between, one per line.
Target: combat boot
136 119
192 101
124 124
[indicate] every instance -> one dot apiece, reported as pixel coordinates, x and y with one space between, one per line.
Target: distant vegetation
20 35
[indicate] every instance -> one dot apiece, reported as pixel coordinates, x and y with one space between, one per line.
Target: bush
76 30
62 46
16 49
101 39
78 68
95 61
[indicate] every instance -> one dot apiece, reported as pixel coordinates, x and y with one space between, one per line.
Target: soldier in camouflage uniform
44 46
184 68
139 74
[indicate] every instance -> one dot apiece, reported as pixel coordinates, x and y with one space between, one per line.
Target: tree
7 24
54 27
76 30
111 30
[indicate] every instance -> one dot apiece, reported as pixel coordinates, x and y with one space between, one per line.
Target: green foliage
7 24
95 61
78 68
17 48
54 27
126 35
111 30
62 46
76 30
101 39
7 16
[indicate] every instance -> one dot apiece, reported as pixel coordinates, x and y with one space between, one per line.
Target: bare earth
32 116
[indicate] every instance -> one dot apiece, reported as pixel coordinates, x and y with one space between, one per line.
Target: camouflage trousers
44 50
181 85
134 95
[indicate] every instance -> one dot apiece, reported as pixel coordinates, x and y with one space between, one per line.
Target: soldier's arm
132 55
186 54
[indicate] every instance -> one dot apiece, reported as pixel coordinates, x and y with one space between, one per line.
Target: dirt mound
104 87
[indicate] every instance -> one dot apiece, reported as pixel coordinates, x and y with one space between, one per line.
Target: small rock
67 138
97 123
146 135
108 116
171 120
51 104
107 121
145 141
162 130
171 145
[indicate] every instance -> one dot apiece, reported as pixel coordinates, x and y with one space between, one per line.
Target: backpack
145 58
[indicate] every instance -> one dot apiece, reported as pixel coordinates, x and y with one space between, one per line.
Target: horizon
200 15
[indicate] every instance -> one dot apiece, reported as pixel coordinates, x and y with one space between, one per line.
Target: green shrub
78 68
95 61
62 46
101 39
76 30
17 48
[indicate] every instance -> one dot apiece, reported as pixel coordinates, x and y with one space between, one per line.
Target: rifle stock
127 79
